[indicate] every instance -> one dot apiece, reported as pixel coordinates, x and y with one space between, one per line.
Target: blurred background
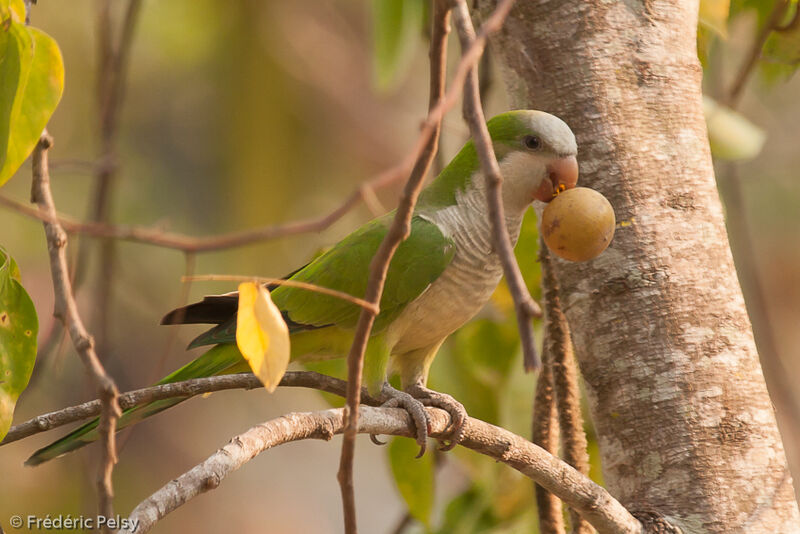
248 113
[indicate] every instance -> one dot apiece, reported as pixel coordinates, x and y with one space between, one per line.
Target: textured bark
685 424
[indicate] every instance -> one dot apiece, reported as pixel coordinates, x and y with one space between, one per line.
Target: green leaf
414 477
730 134
714 16
468 512
780 57
18 328
397 28
31 84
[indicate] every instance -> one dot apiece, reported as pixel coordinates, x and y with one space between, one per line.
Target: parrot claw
374 439
399 399
458 414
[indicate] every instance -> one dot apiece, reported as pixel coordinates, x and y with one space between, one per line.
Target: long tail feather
219 360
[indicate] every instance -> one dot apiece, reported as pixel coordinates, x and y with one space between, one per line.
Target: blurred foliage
713 16
397 28
731 136
254 112
414 478
18 329
781 55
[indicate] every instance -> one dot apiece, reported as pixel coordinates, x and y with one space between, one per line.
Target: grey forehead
555 133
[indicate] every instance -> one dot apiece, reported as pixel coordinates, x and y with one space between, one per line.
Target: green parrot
438 279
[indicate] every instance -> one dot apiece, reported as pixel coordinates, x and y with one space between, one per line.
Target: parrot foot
458 414
394 398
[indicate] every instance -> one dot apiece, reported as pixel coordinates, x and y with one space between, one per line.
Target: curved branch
591 500
524 305
66 310
186 388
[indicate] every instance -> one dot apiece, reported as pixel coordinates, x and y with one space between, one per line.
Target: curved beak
562 174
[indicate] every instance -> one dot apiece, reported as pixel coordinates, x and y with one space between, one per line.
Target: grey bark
686 428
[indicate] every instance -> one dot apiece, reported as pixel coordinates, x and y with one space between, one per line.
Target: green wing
418 261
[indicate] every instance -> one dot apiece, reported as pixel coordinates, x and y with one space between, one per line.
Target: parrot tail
221 359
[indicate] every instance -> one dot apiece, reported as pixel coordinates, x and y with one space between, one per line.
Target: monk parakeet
439 278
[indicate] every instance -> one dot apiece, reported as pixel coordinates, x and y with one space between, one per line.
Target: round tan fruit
578 224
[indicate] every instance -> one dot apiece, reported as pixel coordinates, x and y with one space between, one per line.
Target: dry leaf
262 335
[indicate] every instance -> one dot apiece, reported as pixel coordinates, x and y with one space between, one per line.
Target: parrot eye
532 142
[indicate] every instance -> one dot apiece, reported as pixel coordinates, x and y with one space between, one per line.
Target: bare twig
112 69
545 435
379 266
186 389
602 510
524 304
160 238
772 23
66 310
371 306
565 381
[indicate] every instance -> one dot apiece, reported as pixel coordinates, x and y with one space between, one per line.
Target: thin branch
66 310
112 70
190 244
291 283
565 381
772 23
602 510
379 266
545 435
524 304
186 389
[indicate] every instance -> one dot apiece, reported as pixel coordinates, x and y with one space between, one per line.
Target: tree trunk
685 424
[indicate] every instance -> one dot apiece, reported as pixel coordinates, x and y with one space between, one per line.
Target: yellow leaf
262 335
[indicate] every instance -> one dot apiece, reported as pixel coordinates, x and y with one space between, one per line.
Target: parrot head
537 155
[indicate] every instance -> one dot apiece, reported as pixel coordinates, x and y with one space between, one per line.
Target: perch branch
66 309
593 501
524 304
379 266
186 388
